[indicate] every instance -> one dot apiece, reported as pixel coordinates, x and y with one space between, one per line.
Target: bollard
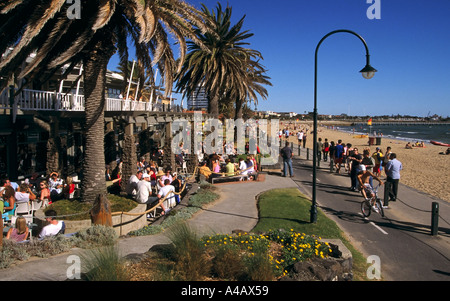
434 218
307 154
331 165
299 149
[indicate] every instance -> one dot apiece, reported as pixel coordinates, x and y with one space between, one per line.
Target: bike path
402 240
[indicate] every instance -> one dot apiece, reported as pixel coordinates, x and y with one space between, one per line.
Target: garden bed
76 215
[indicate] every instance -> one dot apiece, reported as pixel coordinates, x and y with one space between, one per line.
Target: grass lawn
289 209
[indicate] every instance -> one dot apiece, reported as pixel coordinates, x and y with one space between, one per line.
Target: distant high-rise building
198 99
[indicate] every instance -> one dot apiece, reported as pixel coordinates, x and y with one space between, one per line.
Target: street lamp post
367 72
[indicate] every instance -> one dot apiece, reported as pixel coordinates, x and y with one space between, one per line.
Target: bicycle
374 203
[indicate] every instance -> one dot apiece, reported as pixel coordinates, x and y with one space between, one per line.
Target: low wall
122 223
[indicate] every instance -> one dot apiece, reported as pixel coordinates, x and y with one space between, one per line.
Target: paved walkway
236 209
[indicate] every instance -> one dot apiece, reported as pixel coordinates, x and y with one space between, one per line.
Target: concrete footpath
236 209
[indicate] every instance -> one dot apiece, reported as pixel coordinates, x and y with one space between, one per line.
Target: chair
23 209
63 228
36 205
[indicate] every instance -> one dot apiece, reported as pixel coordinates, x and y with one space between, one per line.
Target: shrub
76 210
191 260
227 262
104 264
93 236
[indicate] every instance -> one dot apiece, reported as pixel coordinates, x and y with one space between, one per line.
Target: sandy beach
423 168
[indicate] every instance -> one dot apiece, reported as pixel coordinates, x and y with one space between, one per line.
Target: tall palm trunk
213 106
95 64
239 109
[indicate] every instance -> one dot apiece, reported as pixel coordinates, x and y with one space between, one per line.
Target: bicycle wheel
366 208
380 207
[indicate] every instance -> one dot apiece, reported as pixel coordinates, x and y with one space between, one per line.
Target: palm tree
227 70
104 27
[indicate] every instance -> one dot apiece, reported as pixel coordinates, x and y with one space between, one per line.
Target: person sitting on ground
447 152
408 145
56 186
205 171
54 226
133 182
20 231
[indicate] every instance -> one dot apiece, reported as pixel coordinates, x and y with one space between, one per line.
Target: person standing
393 168
286 153
300 138
304 138
319 149
325 150
386 158
355 160
338 155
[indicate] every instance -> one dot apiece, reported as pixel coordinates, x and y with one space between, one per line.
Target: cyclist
365 187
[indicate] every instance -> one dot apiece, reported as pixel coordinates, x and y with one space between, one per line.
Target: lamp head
368 71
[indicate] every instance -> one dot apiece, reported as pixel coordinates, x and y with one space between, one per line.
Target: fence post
434 218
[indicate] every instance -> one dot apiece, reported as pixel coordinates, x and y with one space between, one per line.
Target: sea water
411 133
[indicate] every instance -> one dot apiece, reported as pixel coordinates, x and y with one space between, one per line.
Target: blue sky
409 45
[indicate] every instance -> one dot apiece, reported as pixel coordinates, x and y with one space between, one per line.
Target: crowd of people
148 185
363 167
38 191
215 166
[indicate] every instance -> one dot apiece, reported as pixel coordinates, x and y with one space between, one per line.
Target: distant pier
405 123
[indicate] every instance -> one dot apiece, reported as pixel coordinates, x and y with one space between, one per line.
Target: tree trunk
101 211
239 109
129 157
95 63
213 106
53 148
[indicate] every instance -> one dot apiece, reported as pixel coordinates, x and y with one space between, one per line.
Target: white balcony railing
35 100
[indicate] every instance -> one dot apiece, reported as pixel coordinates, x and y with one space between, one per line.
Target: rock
337 267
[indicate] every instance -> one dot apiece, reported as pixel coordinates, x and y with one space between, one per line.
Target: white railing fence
36 100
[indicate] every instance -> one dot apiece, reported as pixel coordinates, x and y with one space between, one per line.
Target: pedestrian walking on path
286 154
